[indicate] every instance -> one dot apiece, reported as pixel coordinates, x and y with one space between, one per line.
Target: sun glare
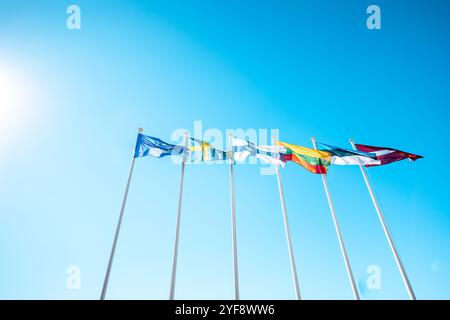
16 100
10 94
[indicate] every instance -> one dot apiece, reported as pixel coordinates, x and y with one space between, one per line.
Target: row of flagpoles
315 160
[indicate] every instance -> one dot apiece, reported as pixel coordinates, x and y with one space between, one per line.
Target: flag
151 146
345 157
387 155
242 149
312 160
202 151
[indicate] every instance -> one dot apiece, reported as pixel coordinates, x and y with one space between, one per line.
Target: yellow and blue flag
202 151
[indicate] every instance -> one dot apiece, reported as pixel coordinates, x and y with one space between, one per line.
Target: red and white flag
387 155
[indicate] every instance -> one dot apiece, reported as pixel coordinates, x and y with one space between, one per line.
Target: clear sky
71 102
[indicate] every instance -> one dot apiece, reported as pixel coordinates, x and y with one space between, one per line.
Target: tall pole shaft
233 224
288 233
119 224
387 233
339 235
177 232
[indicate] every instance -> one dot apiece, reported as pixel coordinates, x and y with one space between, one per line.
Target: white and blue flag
242 149
151 146
346 157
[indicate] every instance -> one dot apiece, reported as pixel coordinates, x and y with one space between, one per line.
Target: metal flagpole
119 223
339 235
288 233
177 233
389 238
233 223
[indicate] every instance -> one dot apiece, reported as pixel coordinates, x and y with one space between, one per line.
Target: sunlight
11 96
17 95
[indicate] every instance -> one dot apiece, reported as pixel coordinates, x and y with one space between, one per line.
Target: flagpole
339 235
119 224
288 233
177 232
387 233
233 224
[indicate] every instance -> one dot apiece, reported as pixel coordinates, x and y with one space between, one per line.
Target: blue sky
75 98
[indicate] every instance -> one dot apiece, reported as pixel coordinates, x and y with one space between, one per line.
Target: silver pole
233 223
339 235
177 233
388 235
288 233
119 223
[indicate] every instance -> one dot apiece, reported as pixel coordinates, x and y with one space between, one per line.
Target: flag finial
350 140
140 130
313 139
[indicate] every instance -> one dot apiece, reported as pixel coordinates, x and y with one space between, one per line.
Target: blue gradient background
307 68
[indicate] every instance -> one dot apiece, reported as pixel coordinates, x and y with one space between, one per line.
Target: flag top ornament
151 146
387 155
315 161
203 151
345 157
242 149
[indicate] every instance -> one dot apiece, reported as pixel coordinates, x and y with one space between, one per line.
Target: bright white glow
17 101
11 96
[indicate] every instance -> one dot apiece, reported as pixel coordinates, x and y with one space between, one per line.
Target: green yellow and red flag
316 161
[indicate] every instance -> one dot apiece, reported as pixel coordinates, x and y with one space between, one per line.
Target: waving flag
242 149
202 151
387 155
345 157
316 161
151 146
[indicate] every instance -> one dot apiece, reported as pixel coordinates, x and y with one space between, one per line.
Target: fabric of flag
202 151
312 160
151 146
242 149
387 155
346 157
